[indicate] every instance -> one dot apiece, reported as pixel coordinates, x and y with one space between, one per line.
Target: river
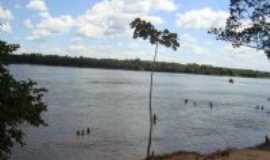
114 105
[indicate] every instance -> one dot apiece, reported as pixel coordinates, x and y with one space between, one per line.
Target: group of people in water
83 132
210 103
87 131
261 107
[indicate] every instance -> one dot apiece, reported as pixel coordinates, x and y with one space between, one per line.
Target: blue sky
99 28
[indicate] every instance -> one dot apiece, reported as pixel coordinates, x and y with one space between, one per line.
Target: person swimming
211 105
231 81
257 107
82 132
78 133
88 131
155 119
186 101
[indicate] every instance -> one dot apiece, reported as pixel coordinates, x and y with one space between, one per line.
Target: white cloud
50 26
242 57
106 17
222 54
37 5
164 5
28 24
190 44
194 48
202 19
17 6
79 48
39 34
44 14
108 51
217 54
44 49
56 24
188 38
113 17
5 19
244 52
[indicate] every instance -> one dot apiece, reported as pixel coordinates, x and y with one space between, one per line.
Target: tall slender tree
20 103
147 31
248 25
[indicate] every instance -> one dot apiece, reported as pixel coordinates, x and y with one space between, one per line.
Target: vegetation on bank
135 64
21 103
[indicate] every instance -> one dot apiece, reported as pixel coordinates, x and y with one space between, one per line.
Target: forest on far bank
130 64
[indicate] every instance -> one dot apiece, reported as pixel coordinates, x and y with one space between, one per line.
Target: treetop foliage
145 30
248 25
7 48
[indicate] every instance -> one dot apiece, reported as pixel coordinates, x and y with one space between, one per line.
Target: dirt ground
260 152
241 154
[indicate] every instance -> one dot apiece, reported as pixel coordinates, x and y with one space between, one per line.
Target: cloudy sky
100 28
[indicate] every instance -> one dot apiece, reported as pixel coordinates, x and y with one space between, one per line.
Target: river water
114 105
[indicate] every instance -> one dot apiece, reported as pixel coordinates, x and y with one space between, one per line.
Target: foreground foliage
20 103
248 25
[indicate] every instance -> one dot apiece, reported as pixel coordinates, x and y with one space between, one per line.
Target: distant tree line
134 64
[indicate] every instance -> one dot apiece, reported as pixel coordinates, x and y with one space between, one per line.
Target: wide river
114 105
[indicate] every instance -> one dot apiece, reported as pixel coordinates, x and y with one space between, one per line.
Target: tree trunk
150 104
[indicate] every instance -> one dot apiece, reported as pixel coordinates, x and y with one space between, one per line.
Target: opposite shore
131 64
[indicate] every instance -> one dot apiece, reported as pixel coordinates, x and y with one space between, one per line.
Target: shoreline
257 152
122 69
133 64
